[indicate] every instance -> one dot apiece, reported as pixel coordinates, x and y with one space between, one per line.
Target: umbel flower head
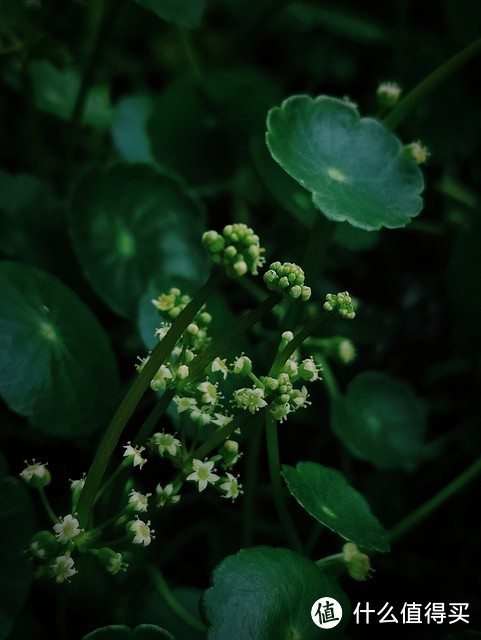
342 302
287 278
237 249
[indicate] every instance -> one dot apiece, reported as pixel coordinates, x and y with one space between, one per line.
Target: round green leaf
57 367
325 494
153 609
121 632
263 593
352 166
133 226
16 529
381 420
187 13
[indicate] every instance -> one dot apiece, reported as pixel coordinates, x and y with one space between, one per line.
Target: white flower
279 411
142 362
346 351
202 473
159 381
164 495
135 452
36 474
67 529
143 534
250 399
221 420
166 442
184 403
63 568
219 365
116 563
77 484
182 372
309 370
36 550
201 416
299 398
231 487
139 501
162 331
290 368
242 366
209 392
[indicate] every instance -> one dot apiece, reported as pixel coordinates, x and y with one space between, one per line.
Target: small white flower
139 501
203 474
308 370
280 411
116 564
164 495
166 442
346 351
184 403
299 398
220 365
135 452
67 529
250 399
159 381
77 484
290 368
201 416
242 366
63 568
37 551
142 362
231 487
36 474
209 392
221 420
143 534
182 372
162 331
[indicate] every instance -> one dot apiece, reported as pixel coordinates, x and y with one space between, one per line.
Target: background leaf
353 166
57 367
263 593
16 529
326 495
121 632
381 420
134 227
184 13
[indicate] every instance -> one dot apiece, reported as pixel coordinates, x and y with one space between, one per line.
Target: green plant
235 341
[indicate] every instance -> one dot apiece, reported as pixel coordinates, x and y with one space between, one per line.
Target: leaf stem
92 59
328 377
171 601
276 485
422 512
154 416
404 106
48 506
134 394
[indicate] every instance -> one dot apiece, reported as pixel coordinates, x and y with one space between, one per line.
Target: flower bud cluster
287 278
237 249
342 302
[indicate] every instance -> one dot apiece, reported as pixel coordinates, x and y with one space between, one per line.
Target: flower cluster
237 249
287 278
203 473
342 302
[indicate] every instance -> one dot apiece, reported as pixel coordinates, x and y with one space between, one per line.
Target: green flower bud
111 560
388 94
214 242
44 545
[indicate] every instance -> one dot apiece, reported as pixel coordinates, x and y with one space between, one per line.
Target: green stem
134 395
404 106
171 601
250 484
282 357
422 512
313 262
48 506
110 481
99 528
330 561
93 56
154 416
220 345
276 485
328 377
219 436
190 53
